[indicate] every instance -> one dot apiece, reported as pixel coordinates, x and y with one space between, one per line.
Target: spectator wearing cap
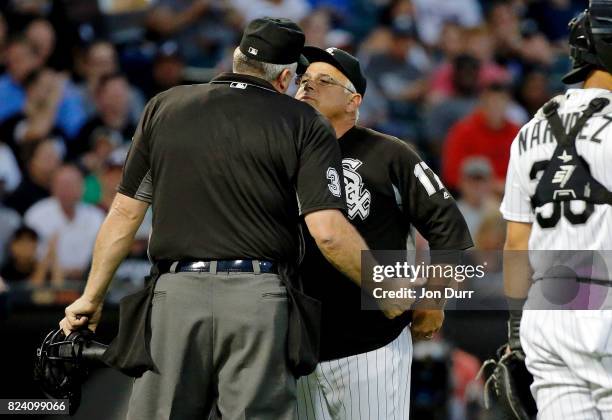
41 159
476 192
400 80
487 132
112 120
23 58
74 223
100 61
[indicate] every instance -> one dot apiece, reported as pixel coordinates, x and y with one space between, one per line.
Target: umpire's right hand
82 313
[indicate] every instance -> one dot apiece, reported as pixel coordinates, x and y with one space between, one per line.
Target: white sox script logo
358 199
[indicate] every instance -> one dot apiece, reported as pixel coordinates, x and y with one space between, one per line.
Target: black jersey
222 163
388 190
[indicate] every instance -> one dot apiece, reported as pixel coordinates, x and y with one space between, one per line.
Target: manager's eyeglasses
321 80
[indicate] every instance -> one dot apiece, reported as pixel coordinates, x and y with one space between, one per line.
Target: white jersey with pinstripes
568 352
535 144
369 386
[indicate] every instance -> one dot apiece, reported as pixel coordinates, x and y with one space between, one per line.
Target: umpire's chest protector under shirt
228 167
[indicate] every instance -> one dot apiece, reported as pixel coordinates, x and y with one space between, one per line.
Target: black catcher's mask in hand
63 364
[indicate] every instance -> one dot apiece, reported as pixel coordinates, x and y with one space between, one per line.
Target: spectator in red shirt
486 132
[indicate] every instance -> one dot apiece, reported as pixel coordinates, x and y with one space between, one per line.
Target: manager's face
325 88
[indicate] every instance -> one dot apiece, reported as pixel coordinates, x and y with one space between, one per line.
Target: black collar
243 78
352 132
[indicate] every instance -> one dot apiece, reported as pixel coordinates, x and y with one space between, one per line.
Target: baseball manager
365 358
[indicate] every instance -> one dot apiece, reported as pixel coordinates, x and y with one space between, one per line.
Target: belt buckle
200 265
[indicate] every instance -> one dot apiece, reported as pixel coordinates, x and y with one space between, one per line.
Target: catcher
558 197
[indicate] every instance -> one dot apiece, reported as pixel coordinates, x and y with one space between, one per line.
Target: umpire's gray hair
267 71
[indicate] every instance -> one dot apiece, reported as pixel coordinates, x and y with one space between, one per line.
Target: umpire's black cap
275 41
343 61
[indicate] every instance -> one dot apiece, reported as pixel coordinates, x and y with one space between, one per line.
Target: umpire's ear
283 80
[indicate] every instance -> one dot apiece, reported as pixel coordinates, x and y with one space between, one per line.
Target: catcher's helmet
590 41
62 364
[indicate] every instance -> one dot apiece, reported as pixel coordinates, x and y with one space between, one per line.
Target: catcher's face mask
62 364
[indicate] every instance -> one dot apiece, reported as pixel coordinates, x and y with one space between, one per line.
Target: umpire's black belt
216 266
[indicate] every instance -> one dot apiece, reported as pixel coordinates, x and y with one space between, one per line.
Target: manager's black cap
343 61
275 41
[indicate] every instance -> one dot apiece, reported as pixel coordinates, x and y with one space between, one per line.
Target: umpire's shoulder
180 93
305 116
171 98
299 108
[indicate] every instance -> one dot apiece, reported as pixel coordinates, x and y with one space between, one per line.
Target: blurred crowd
454 78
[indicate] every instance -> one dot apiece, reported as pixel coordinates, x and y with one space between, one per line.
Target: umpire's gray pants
219 343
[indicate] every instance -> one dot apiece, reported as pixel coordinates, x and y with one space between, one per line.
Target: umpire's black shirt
230 166
389 190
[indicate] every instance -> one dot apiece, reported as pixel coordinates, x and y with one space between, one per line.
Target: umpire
221 164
